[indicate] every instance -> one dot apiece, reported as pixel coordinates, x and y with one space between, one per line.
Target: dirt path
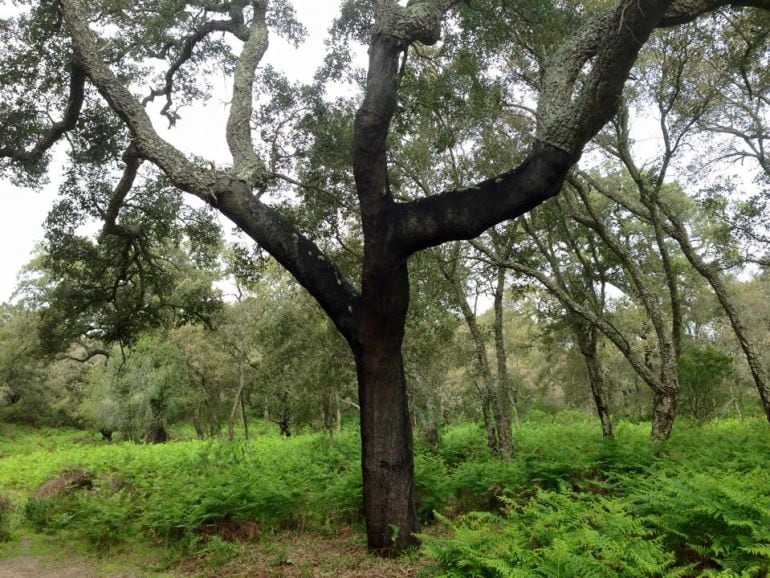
36 567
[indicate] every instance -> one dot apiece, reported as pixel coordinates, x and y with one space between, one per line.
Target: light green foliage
177 490
697 507
569 503
146 389
702 370
552 534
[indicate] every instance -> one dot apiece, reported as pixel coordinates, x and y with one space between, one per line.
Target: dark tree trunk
338 412
598 393
244 418
386 430
386 456
157 434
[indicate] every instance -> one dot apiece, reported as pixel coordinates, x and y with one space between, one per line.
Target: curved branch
184 55
684 11
111 227
466 213
58 129
610 42
231 196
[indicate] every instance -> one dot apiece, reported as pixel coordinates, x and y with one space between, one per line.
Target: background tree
142 393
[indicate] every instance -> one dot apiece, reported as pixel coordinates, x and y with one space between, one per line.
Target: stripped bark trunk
750 351
663 413
386 429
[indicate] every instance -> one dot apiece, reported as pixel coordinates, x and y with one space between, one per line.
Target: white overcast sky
200 131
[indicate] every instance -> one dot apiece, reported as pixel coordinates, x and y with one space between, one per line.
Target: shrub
552 534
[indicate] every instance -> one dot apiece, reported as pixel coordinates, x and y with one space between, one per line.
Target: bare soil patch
308 555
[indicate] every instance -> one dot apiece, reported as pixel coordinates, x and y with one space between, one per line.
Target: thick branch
574 105
418 21
466 213
684 11
111 227
247 165
229 195
610 42
299 255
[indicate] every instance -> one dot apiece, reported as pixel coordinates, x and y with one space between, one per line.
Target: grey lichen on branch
418 21
584 80
247 165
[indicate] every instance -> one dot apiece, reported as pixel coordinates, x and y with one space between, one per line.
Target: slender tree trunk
489 421
663 414
386 431
237 402
338 411
490 405
503 417
196 421
244 418
598 393
750 351
588 339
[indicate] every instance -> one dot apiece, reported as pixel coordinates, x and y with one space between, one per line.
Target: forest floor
289 555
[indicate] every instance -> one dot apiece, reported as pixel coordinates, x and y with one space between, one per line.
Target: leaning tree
93 61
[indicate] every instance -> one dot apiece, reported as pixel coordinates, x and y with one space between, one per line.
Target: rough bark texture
663 413
386 430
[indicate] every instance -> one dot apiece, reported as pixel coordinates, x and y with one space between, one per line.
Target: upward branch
581 91
231 195
571 114
247 166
